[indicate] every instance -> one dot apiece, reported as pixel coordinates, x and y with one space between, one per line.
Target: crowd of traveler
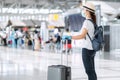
18 38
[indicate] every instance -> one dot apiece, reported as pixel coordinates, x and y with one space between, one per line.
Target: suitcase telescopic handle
66 51
61 52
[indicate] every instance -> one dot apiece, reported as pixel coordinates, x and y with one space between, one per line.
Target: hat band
89 8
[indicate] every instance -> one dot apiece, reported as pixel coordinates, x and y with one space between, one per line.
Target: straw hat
90 7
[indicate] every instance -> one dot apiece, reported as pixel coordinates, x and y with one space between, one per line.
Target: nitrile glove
69 37
66 37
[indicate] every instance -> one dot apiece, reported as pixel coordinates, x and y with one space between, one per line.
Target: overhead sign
51 27
54 17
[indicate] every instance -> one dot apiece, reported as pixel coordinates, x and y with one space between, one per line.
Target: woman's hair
93 16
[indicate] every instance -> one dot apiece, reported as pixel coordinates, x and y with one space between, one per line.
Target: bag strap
89 37
94 28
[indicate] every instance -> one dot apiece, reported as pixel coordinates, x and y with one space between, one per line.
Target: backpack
58 38
97 41
29 42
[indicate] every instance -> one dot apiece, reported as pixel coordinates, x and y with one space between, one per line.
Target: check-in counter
112 37
107 38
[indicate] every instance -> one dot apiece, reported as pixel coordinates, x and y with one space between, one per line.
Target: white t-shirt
36 36
19 34
90 27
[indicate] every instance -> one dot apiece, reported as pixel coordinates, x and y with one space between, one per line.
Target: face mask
83 14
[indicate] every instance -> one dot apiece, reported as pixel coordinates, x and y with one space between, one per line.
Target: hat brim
91 10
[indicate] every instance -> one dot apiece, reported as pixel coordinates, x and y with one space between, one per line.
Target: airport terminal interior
28 44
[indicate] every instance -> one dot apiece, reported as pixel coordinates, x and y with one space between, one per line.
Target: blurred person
16 37
39 37
8 29
88 54
57 40
20 38
36 41
4 38
10 37
26 39
67 46
50 42
32 39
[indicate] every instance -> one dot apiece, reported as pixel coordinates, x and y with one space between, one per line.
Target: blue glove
66 37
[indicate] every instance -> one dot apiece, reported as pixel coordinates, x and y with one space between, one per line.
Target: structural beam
14 4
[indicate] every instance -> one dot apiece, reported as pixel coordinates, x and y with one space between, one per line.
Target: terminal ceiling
43 4
62 5
39 4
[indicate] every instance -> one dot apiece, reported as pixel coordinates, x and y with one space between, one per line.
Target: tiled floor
21 64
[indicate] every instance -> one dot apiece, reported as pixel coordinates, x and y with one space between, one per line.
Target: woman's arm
81 36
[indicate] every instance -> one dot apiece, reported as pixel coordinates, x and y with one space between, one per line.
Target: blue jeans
88 61
58 46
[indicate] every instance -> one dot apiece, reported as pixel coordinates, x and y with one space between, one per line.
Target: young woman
88 53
